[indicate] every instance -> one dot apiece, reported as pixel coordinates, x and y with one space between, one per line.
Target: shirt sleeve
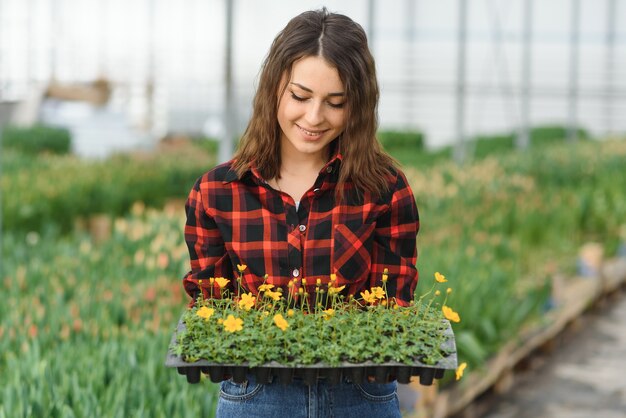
207 252
395 244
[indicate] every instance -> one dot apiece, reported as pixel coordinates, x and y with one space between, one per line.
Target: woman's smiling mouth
311 133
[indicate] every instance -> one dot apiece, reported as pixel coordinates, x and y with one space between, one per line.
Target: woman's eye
336 105
298 98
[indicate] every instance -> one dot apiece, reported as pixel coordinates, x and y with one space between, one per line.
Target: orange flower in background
247 301
205 312
232 324
281 322
221 282
460 370
440 277
450 314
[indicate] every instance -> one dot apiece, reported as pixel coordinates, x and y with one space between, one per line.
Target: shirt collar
231 175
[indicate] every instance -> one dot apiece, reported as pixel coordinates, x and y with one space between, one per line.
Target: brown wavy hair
343 44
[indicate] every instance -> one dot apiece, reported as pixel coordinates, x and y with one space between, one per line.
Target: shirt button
329 169
295 272
302 228
316 190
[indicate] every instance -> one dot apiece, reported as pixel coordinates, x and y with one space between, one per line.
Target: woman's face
312 110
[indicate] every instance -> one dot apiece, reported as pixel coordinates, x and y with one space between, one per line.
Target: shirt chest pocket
352 249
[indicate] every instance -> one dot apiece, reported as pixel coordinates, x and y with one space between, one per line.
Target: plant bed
356 372
313 332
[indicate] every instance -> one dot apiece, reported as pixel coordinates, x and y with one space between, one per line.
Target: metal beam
572 109
459 149
523 134
609 67
371 15
226 144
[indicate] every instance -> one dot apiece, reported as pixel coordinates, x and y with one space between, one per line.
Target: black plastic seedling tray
356 372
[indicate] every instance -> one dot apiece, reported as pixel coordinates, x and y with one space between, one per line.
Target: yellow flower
437 293
211 280
290 312
333 278
247 301
328 313
460 370
303 281
265 287
335 290
318 282
449 290
241 267
274 295
450 314
205 312
281 322
385 275
440 277
221 282
368 297
232 324
378 292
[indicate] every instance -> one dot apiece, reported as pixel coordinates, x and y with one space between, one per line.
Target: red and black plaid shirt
233 221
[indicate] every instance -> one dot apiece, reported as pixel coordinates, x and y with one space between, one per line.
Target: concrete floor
584 377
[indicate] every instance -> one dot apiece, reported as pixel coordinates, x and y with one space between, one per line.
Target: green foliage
355 331
57 190
554 133
209 145
401 139
84 329
500 227
485 145
37 139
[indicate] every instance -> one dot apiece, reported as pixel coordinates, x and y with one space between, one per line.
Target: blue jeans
298 400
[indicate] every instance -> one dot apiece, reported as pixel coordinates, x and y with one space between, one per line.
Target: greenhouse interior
507 120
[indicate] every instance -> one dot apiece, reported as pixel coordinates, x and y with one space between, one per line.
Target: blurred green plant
501 227
37 139
84 327
391 139
55 191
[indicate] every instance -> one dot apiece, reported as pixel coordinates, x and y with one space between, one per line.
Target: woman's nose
314 115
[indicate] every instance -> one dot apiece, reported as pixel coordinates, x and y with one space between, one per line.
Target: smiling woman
311 115
308 194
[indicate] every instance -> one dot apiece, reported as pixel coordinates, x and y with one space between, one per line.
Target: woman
309 193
